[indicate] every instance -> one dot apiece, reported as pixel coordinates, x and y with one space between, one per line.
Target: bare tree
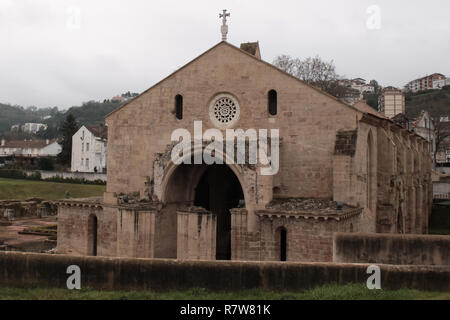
314 71
287 64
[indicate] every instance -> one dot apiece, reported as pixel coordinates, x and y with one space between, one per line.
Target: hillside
10 115
89 113
436 102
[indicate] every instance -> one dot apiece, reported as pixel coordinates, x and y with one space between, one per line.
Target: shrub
34 176
47 164
13 174
75 180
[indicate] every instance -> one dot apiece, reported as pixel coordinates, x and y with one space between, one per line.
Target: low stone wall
157 274
73 175
397 249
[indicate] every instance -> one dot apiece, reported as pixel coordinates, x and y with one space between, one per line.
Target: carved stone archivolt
163 167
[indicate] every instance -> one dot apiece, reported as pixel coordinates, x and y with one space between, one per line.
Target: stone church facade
342 168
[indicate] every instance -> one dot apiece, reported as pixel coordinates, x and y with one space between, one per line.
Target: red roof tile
98 131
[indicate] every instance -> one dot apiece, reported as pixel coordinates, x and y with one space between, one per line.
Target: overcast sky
62 52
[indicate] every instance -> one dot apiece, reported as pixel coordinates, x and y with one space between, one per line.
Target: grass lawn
440 220
24 189
330 292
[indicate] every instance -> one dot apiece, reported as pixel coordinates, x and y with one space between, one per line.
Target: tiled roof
402 120
98 131
364 107
27 143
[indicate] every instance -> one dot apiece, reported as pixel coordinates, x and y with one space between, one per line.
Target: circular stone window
224 110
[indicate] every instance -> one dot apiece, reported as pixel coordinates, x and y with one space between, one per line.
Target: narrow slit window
283 244
179 106
273 102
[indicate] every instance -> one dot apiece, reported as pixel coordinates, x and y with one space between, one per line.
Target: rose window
224 110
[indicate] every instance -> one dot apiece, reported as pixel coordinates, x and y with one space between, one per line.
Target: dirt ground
10 236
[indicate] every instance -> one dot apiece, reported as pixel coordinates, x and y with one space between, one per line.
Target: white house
30 148
439 83
33 127
89 149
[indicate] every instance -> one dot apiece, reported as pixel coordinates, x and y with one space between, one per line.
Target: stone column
196 239
42 212
239 243
135 233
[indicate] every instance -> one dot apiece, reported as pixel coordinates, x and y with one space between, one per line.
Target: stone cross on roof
224 28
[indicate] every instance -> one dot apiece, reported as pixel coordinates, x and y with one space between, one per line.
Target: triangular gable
243 52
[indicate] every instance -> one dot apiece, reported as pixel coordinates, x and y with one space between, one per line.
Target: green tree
68 129
376 86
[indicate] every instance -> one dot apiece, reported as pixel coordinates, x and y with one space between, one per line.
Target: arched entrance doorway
213 187
219 191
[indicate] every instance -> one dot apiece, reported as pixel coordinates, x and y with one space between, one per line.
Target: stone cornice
274 214
79 203
100 205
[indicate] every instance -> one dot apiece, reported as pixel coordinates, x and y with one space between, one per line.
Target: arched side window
179 106
272 97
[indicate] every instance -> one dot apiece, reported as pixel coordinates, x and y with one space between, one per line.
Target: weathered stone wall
388 172
308 239
196 235
244 245
135 232
146 274
404 179
354 172
391 249
74 234
121 231
29 208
